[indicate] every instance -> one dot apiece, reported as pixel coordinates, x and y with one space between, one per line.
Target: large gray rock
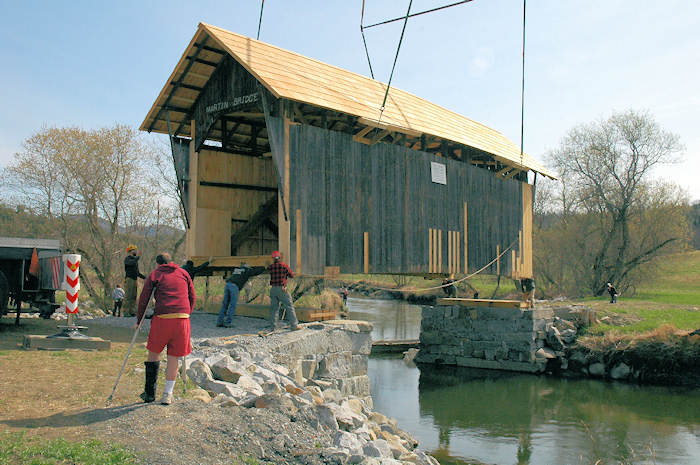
554 339
545 353
228 389
346 418
378 448
568 335
248 384
596 369
332 395
326 417
620 371
425 459
226 369
199 373
347 441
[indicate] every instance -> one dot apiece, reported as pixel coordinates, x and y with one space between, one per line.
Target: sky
95 64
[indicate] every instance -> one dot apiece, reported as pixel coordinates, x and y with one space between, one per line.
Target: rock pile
316 377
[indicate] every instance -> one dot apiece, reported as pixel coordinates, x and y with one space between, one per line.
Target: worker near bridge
173 291
234 284
279 273
131 274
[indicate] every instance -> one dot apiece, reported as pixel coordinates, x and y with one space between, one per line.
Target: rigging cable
262 5
416 14
386 94
364 41
522 95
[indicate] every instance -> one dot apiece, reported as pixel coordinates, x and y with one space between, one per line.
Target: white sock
169 385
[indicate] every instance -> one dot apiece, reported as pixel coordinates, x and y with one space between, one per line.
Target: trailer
18 284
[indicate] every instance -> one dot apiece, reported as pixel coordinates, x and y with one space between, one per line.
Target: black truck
18 284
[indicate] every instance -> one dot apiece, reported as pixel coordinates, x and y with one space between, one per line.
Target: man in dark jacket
193 270
131 274
173 291
234 284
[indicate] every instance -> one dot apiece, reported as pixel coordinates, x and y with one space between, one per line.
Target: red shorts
171 332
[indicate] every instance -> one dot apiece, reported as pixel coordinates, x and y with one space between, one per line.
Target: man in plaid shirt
279 272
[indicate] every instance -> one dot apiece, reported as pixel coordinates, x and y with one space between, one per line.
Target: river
466 416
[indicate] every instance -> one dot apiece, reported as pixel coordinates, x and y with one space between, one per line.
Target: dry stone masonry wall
483 337
317 377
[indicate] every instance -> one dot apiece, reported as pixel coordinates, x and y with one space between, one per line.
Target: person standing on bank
132 273
613 293
173 291
279 272
234 285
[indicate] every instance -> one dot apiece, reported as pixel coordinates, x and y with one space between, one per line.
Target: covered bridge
274 150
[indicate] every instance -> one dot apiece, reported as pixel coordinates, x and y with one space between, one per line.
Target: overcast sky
93 63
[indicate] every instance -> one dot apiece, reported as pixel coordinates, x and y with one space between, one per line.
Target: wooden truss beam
254 223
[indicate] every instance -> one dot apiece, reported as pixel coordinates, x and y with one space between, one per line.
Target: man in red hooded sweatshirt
174 295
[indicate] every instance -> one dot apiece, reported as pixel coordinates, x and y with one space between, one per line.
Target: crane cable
417 14
262 5
396 57
364 41
522 96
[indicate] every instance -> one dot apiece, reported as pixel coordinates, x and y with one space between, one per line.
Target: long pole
128 352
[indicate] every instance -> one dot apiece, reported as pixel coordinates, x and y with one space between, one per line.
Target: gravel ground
192 432
203 325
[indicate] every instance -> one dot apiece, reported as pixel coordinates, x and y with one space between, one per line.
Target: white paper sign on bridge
71 281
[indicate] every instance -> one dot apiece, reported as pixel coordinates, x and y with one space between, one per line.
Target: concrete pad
35 342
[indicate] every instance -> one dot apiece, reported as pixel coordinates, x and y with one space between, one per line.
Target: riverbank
291 397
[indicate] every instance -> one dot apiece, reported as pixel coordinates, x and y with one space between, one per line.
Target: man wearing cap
279 272
173 291
132 273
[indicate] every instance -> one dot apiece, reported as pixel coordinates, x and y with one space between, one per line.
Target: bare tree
94 182
606 169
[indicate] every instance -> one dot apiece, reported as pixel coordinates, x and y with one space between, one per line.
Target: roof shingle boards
296 77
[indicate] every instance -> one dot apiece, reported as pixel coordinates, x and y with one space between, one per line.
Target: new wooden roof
295 77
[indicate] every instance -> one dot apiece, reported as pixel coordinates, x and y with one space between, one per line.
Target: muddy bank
372 290
666 356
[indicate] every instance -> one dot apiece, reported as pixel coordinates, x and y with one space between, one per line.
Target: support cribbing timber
433 287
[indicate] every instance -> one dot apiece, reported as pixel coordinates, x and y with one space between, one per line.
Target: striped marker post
71 284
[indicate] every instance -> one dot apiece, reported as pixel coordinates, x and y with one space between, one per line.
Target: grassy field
19 449
672 297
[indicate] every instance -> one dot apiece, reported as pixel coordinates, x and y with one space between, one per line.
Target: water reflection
391 319
467 416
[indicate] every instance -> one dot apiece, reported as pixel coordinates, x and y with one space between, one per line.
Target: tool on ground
128 352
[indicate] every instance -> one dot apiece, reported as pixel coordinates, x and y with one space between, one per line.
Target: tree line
97 190
606 218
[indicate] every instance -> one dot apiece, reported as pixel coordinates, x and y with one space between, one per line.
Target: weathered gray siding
344 188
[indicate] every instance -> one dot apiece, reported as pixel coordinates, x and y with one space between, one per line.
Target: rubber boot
149 390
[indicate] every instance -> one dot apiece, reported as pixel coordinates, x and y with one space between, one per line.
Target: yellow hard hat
131 247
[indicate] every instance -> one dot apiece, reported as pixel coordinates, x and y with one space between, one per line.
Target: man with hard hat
132 273
279 272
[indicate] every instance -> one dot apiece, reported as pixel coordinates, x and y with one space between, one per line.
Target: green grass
18 449
671 297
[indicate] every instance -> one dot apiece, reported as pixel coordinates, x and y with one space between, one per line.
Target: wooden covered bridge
274 150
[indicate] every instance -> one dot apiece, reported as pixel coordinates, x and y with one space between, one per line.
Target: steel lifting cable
522 96
398 49
417 14
262 5
364 41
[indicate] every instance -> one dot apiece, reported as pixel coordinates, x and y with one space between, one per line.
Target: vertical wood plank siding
345 188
